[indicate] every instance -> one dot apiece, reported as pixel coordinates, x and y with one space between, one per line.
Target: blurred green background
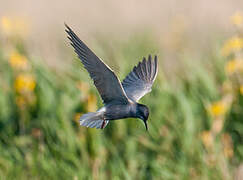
196 106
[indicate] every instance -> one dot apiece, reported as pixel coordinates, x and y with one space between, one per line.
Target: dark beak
146 126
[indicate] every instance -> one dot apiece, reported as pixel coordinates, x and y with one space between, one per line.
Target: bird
120 99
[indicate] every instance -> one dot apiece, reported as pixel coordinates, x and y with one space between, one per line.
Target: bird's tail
93 120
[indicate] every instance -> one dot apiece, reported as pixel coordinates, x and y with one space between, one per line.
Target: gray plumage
139 82
120 99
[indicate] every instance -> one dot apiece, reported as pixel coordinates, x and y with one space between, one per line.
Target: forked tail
94 120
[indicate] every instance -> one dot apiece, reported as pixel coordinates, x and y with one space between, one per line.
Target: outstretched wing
104 78
140 80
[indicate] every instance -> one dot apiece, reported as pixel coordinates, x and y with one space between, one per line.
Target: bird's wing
140 80
104 78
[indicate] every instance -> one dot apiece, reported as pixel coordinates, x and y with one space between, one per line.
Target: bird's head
143 113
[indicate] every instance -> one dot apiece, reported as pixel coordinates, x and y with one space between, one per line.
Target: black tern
119 99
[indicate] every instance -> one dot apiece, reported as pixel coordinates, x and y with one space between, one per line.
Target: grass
40 137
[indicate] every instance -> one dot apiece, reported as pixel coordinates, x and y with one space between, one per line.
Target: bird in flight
120 99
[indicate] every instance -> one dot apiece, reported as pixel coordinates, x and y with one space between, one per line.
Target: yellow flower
24 82
207 139
91 103
217 108
18 61
241 89
77 117
6 24
14 25
234 66
237 19
232 45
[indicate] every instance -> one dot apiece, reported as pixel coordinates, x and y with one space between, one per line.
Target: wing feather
105 80
140 80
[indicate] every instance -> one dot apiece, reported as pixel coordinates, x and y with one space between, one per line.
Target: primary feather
140 80
104 78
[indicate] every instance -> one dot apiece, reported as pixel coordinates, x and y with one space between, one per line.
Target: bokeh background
196 106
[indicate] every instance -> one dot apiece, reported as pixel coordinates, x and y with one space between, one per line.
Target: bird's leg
104 122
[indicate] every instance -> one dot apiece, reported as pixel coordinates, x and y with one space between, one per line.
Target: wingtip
156 66
65 24
144 60
149 57
155 57
68 29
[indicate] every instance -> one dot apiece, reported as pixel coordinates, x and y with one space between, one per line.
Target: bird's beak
146 126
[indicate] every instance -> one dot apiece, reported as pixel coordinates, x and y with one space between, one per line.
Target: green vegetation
195 123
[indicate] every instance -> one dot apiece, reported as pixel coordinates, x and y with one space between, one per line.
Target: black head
143 113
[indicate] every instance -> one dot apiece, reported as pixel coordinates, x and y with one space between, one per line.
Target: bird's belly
118 112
